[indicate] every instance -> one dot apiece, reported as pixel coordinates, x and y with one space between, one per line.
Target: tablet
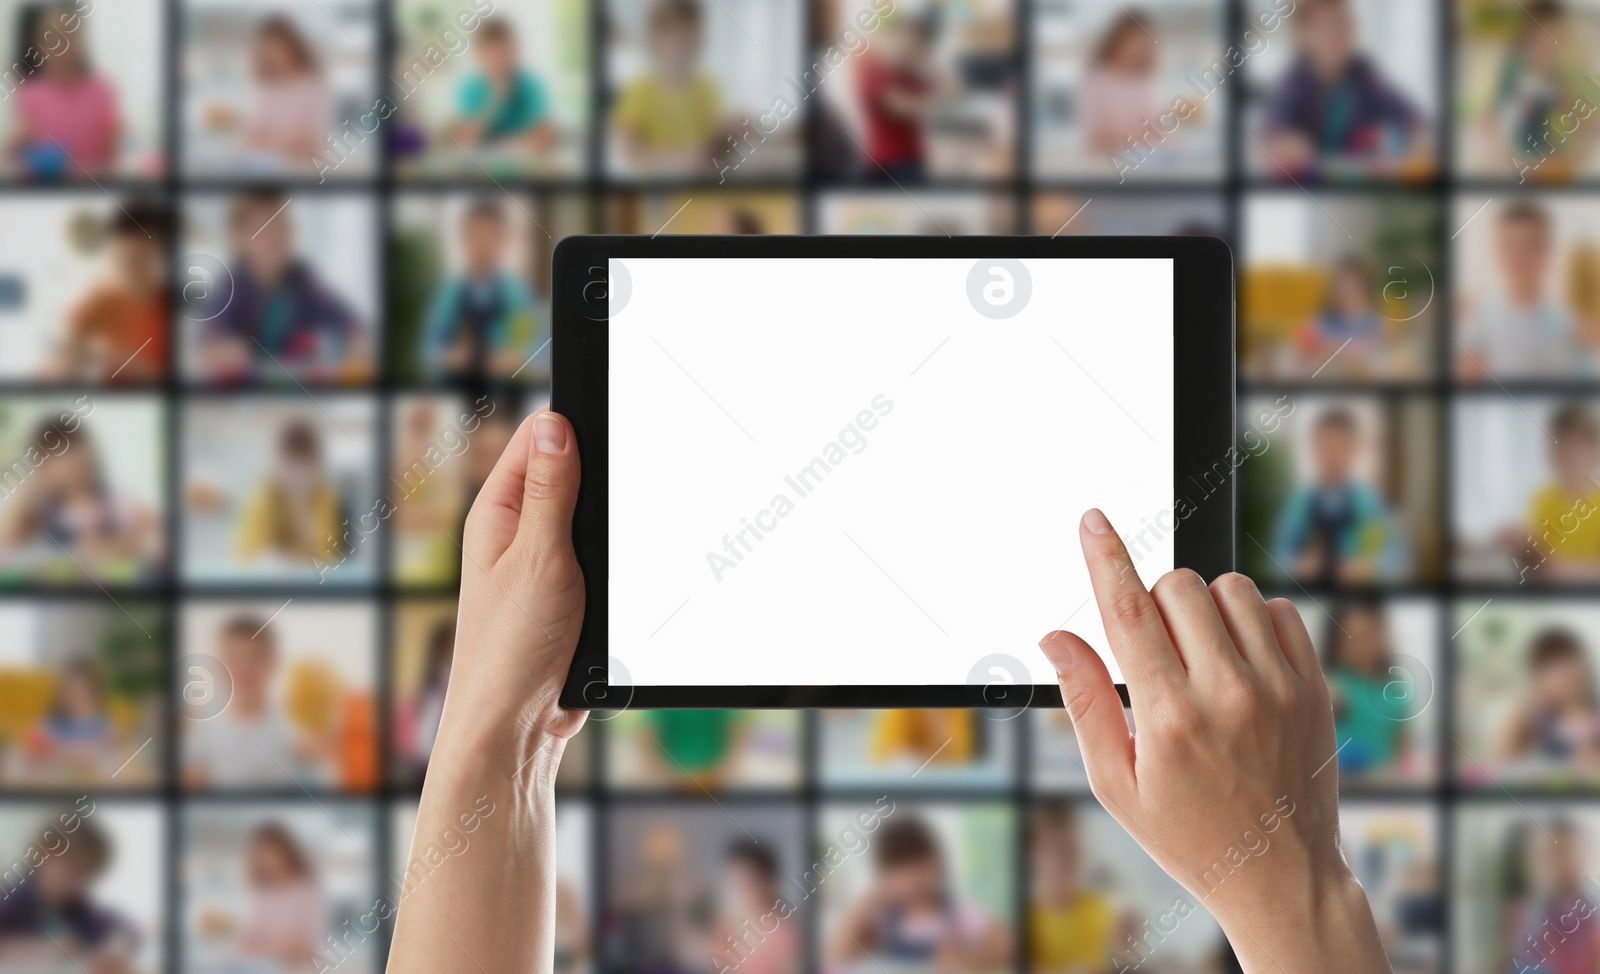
848 471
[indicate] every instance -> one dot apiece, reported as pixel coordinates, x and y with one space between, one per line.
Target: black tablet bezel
1203 451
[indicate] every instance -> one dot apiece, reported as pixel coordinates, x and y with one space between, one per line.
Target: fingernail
1095 521
1057 650
549 433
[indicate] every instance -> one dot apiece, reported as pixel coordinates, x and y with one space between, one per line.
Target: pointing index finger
1138 636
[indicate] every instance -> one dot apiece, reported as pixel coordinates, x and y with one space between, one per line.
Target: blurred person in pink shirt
1119 88
291 108
756 930
1545 921
66 112
285 918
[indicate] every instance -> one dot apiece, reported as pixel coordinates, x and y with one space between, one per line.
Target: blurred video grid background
274 291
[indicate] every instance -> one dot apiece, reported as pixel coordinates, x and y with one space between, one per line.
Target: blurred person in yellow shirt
667 117
1072 929
1562 541
922 736
294 513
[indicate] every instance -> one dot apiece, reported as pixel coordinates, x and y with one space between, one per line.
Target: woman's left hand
522 594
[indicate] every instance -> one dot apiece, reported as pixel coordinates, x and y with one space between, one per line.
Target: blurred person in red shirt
899 86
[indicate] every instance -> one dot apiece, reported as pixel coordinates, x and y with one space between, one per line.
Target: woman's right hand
1231 782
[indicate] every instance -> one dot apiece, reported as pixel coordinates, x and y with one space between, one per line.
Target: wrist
1323 925
507 750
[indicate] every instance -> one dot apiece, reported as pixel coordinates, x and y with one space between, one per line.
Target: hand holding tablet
1231 784
823 471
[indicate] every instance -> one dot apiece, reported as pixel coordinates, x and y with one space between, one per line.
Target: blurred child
1533 116
909 917
429 501
1073 928
75 740
899 87
1526 334
291 111
1370 713
1119 96
1347 317
66 113
1540 927
248 744
69 507
51 911
118 332
1335 530
483 320
667 118
295 514
921 737
286 916
661 909
1562 541
502 104
693 747
417 716
280 315
1333 109
1557 719
751 933
735 220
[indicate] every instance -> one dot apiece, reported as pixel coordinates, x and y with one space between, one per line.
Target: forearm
487 901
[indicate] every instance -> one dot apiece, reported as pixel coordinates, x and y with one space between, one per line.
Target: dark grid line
596 189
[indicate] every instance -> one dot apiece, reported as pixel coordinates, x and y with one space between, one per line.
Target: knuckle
1177 582
1289 692
1238 696
542 487
1233 585
1132 609
1078 699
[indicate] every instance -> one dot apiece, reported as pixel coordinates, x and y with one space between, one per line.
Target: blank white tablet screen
841 471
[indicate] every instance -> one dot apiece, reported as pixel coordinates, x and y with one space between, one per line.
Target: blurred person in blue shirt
1336 529
1348 325
1371 714
279 314
74 741
51 911
502 104
485 319
1335 110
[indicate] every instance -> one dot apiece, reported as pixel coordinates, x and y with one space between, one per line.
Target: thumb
1095 708
550 485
